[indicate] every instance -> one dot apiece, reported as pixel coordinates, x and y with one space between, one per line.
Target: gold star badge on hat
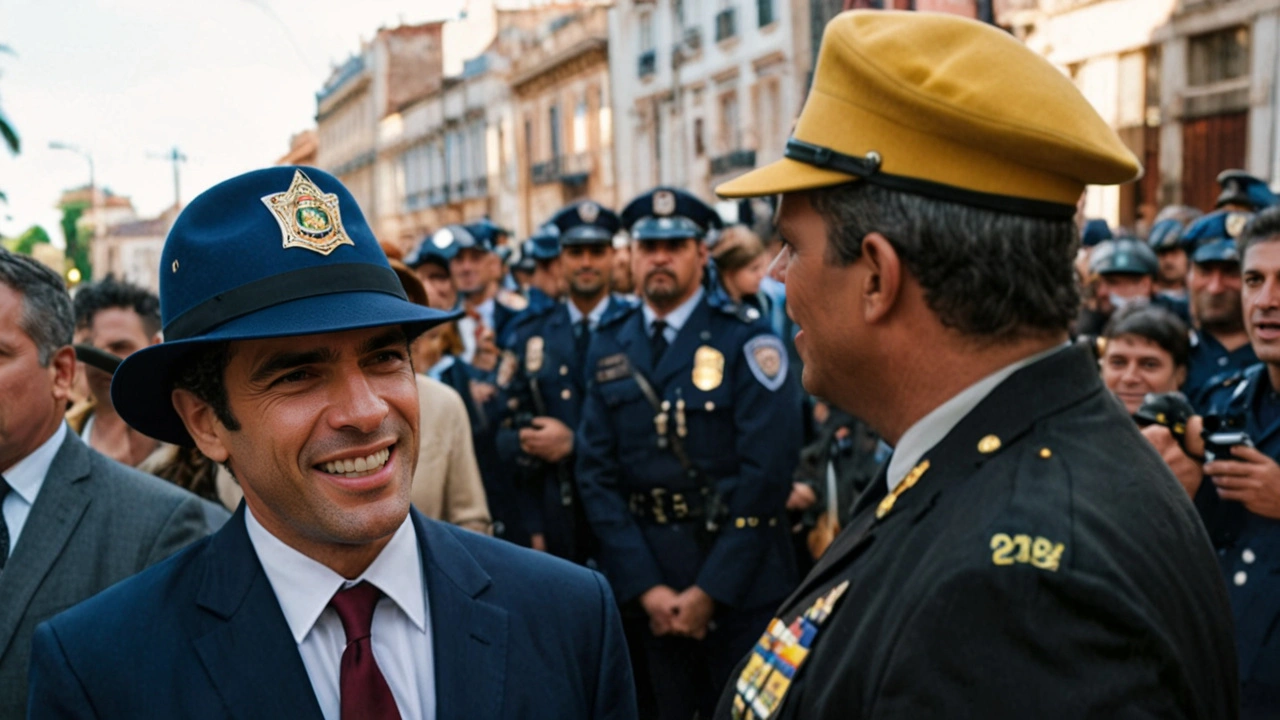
308 218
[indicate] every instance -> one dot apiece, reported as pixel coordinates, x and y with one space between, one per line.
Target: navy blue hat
1166 235
439 247
1214 236
586 223
272 253
1095 231
1241 188
666 213
1125 256
485 233
525 262
477 235
545 243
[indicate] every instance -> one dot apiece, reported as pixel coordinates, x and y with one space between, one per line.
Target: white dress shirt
401 630
25 479
674 319
593 317
467 327
932 428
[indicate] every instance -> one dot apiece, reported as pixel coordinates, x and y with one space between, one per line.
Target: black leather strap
282 288
868 169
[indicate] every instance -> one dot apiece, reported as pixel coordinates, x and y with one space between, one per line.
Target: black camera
1222 433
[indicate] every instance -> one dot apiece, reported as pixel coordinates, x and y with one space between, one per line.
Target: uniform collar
676 318
593 317
932 428
304 586
26 477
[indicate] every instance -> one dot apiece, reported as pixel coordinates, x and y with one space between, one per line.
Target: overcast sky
227 81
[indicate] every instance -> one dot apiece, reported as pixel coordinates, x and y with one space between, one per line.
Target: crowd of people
620 394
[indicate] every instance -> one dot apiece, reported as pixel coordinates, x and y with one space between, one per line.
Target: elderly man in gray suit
73 522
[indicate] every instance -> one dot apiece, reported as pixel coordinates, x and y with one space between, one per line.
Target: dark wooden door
1209 146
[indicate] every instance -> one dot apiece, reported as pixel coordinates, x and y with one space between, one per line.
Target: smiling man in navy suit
325 596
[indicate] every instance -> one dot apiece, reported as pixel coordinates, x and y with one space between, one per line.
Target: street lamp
94 195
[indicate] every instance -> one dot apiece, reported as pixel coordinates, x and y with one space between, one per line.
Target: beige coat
446 483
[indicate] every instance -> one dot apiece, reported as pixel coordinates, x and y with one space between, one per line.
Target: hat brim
143 384
781 176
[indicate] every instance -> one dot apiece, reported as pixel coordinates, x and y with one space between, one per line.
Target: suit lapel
469 635
680 355
250 654
58 508
635 343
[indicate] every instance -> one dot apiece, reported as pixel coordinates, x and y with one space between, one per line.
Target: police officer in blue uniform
1238 492
689 437
430 261
546 284
544 376
1219 345
496 305
1173 257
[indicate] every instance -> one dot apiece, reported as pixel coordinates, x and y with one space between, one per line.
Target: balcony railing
733 161
545 172
726 24
648 63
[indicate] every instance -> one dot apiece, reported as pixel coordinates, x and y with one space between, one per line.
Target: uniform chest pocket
709 416
619 393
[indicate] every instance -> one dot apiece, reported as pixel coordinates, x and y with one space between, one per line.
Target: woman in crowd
741 262
1145 350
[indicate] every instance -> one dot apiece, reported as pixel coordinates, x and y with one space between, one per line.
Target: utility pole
176 157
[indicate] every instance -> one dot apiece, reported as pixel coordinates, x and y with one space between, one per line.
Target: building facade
564 140
703 90
302 149
131 250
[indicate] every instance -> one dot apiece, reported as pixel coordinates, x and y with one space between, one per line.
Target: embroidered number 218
1039 552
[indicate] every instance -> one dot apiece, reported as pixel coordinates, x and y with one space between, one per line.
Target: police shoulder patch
767 359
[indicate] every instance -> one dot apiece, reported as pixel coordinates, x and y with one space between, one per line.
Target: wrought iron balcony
733 161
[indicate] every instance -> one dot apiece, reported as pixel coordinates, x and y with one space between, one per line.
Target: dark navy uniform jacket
1249 547
1210 364
560 380
744 436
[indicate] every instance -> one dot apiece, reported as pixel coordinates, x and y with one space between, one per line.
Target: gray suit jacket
94 523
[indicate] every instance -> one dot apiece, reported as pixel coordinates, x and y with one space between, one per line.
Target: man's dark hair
1264 227
112 293
46 307
203 372
995 277
1154 323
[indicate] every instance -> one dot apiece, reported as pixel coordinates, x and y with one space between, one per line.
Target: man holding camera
1237 488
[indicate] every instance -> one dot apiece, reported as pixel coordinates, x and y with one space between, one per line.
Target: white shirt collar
676 318
593 317
304 586
932 428
485 311
26 477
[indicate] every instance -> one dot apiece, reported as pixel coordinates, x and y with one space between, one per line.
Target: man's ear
883 283
63 367
202 423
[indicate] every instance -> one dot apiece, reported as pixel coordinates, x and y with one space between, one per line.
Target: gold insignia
708 368
664 203
1046 453
533 354
988 444
507 368
308 218
588 212
1235 223
907 483
769 360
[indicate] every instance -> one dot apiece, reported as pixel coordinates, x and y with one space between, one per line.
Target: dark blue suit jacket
517 634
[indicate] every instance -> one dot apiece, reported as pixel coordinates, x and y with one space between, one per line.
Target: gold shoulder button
989 444
1046 453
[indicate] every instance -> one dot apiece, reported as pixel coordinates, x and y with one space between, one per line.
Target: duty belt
660 506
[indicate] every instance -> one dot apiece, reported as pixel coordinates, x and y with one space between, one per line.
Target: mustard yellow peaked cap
946 107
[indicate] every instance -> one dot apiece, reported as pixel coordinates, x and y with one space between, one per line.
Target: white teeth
358 467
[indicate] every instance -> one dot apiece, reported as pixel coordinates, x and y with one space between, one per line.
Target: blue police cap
439 247
586 223
272 253
485 234
1241 188
1124 256
545 243
1213 236
1095 231
666 213
1166 235
525 262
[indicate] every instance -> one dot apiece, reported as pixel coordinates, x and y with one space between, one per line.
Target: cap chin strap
279 289
868 168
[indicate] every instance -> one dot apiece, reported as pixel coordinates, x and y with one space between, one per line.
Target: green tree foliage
77 239
34 235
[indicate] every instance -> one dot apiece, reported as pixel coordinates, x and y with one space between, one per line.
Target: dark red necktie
365 693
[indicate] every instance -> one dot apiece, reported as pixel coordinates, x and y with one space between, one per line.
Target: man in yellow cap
1024 554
